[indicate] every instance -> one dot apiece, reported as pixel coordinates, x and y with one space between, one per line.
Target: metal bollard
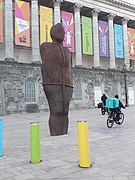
35 142
1 137
84 152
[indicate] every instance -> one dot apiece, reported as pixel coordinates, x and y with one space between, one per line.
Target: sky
130 1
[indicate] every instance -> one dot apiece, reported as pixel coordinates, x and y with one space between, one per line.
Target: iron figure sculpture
57 80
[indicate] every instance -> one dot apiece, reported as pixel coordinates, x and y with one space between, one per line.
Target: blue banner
118 33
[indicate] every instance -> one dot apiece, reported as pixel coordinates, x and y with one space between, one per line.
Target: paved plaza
112 150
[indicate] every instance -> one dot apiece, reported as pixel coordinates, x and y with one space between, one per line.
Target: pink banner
22 23
67 21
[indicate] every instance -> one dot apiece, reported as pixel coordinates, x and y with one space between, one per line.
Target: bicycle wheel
110 121
116 118
102 111
121 118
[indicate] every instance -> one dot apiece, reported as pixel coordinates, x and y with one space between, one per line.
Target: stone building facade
20 77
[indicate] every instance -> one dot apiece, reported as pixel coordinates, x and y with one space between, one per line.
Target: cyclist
115 114
120 103
118 110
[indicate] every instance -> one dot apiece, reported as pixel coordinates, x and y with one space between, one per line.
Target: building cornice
122 4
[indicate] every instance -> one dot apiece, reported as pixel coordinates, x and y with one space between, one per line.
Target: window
114 90
30 95
78 91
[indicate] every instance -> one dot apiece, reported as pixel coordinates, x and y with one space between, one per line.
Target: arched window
30 94
78 91
114 89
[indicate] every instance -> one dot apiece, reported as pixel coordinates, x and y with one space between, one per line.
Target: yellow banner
45 24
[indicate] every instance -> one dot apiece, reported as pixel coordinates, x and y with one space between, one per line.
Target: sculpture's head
57 33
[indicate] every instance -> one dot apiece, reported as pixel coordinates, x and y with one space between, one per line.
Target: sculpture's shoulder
66 49
67 52
45 49
45 45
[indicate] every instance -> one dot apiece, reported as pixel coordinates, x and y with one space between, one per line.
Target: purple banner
104 39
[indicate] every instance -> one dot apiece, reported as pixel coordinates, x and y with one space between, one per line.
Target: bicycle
115 116
104 110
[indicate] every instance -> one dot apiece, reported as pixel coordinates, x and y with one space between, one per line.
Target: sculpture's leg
59 106
67 96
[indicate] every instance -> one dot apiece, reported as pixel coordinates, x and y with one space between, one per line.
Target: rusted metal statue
57 80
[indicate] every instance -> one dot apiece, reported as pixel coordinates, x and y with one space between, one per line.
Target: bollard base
85 167
36 162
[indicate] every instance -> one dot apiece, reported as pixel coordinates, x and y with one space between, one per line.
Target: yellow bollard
84 152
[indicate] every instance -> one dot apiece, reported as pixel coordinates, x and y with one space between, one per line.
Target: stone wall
13 76
109 81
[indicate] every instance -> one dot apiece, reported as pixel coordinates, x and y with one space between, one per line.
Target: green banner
87 35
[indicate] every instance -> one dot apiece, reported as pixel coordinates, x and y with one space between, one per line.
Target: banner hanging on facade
104 39
118 33
131 43
67 21
46 18
87 35
1 23
22 23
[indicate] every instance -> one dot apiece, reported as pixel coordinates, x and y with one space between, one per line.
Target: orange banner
1 22
131 43
22 23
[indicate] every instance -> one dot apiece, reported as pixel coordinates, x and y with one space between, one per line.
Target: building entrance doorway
131 96
97 94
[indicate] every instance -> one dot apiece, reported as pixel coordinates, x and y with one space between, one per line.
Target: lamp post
125 84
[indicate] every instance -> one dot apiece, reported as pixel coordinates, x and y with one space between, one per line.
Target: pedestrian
103 99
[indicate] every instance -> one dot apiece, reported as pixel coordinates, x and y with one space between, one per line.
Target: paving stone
105 178
111 150
131 177
23 177
121 178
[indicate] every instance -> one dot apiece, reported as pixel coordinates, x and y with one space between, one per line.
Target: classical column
111 41
125 40
78 42
35 31
57 15
9 46
96 37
